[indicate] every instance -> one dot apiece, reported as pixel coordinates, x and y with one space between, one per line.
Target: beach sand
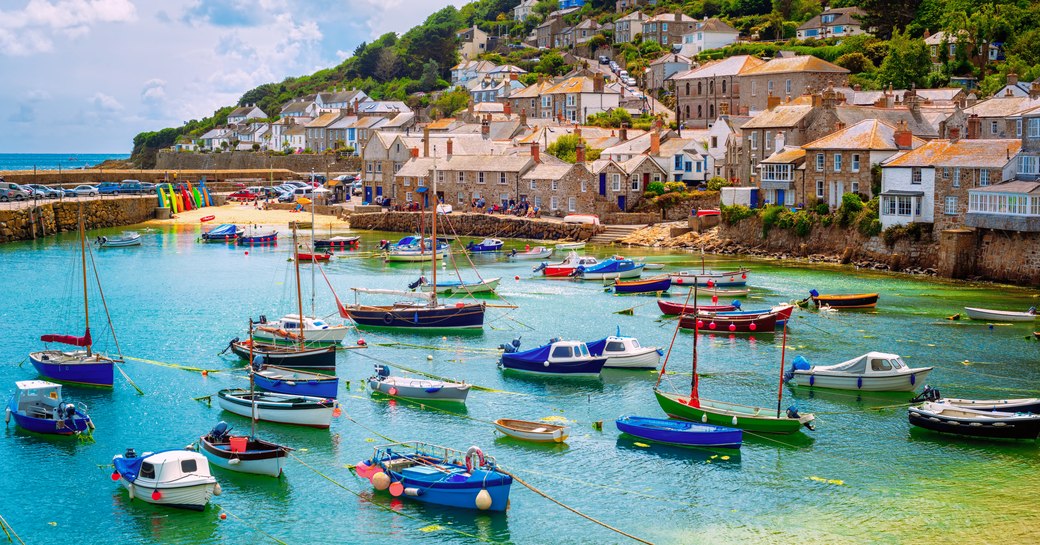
245 214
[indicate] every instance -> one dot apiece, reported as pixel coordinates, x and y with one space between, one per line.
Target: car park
242 195
82 191
130 187
42 191
108 188
12 192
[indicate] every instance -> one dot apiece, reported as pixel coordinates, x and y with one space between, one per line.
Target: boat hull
901 382
54 366
610 274
731 279
651 285
311 358
346 243
244 240
287 382
571 246
532 255
673 309
312 337
1025 405
763 323
721 413
649 358
312 412
194 497
1005 426
486 286
589 367
537 432
685 433
69 426
861 300
406 317
258 459
405 256
120 242
424 390
998 315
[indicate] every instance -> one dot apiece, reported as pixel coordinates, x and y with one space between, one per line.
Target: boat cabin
871 363
620 345
568 351
173 465
38 398
291 322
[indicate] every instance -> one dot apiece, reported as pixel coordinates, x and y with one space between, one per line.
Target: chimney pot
579 152
1012 78
655 142
451 145
415 152
904 139
535 153
623 134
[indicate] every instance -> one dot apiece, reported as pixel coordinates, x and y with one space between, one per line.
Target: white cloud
154 90
105 102
30 29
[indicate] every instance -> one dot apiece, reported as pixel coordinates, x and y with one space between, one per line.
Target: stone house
462 179
317 131
472 42
787 78
627 27
623 182
668 29
832 23
524 9
763 135
1013 205
942 47
545 33
708 34
939 174
663 68
711 90
558 188
344 131
585 30
1001 116
781 178
576 98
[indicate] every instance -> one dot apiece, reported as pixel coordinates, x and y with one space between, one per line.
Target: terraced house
668 29
712 90
787 78
832 23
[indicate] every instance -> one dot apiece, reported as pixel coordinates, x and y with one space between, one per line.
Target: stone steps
614 233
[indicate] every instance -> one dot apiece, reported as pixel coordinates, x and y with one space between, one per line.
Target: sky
85 76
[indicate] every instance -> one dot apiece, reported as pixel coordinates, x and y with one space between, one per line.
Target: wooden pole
780 389
299 296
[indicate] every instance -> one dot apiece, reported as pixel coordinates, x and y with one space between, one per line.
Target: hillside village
606 131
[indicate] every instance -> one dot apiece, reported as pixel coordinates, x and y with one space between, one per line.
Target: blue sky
85 76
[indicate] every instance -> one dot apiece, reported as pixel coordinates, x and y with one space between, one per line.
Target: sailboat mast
780 388
299 296
434 230
252 402
83 262
314 259
696 331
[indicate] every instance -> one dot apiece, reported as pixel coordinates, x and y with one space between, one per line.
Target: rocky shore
478 225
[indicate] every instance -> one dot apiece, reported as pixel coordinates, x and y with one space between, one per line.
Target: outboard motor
735 304
928 394
130 453
258 362
540 268
798 364
221 431
792 412
814 293
382 371
263 319
231 343
511 347
70 410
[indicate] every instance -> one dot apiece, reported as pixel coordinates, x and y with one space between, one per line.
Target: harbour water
862 477
54 161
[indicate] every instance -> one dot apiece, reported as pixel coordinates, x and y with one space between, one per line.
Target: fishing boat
680 432
657 284
243 454
871 372
716 322
338 243
174 478
538 252
704 278
222 233
285 380
570 246
417 253
285 330
458 287
947 418
77 366
852 300
672 309
486 245
38 406
625 352
417 388
438 475
315 412
609 268
558 357
257 235
1001 315
566 267
538 432
294 357
308 257
1018 405
128 238
783 313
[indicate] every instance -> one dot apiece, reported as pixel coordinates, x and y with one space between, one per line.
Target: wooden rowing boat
852 300
539 432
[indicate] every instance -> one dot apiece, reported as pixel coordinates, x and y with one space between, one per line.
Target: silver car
13 192
82 191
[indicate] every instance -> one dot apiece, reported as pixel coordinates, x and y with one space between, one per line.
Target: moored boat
566 267
783 313
1014 405
315 412
257 235
284 380
227 232
456 287
715 322
656 284
570 246
128 238
538 252
339 242
174 478
680 432
538 432
673 309
285 330
609 268
625 353
409 315
414 254
558 357
851 300
39 407
417 388
322 357
732 414
724 279
486 245
312 257
871 372
1001 315
242 454
943 417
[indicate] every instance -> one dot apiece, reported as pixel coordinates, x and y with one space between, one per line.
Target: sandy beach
246 214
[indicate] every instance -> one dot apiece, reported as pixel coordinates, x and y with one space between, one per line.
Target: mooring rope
9 531
254 527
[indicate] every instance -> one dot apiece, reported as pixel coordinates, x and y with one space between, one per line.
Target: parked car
630 81
12 192
243 195
296 183
108 188
603 59
356 187
42 191
147 187
82 191
130 187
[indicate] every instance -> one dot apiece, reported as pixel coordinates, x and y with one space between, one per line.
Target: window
554 185
502 178
819 189
1034 127
572 204
534 184
1018 128
147 470
538 202
788 86
983 177
462 177
903 206
554 203
189 466
837 162
769 86
615 183
951 205
935 51
993 127
583 186
819 162
946 173
635 182
768 143
754 140
855 162
915 175
561 352
480 177
723 86
689 166
1027 164
953 49
368 167
407 181
678 162
462 197
407 196
657 176
754 89
714 141
956 176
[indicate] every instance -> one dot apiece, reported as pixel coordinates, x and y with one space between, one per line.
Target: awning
422 190
331 183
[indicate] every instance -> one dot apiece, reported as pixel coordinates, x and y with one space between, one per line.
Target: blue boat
222 233
486 245
680 432
284 380
648 285
37 406
610 268
438 475
559 357
258 236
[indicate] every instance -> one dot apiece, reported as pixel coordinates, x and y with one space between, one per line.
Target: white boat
725 279
128 238
648 266
286 329
175 478
412 254
1001 315
538 252
460 288
872 372
538 432
587 219
241 453
309 411
415 388
625 353
570 246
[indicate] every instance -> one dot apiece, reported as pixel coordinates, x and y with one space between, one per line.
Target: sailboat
427 314
296 355
77 366
723 413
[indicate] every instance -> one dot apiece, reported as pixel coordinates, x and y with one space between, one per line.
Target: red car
242 195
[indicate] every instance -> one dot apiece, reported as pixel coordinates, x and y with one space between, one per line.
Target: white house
708 34
686 159
301 110
625 28
339 99
244 113
835 22
524 10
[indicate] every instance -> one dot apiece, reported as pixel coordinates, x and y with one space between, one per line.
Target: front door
426 200
621 202
603 183
379 191
780 197
368 194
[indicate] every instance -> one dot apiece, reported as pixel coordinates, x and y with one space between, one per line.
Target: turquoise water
862 476
54 161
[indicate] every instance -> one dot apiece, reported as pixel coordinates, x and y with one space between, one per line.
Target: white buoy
546 364
7 415
483 500
429 356
234 462
131 490
217 490
704 417
734 420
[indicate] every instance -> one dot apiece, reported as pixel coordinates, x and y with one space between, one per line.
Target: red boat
712 322
207 218
783 313
313 257
672 309
566 267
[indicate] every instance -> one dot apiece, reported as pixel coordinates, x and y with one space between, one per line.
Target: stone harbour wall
1007 256
29 222
478 225
246 160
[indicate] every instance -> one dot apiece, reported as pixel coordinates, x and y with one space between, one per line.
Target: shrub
893 234
770 216
657 188
674 187
717 183
851 205
733 214
803 223
855 62
823 209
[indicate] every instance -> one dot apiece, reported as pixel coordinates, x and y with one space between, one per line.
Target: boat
486 245
566 267
852 300
609 268
204 219
653 266
285 380
417 388
717 322
222 233
783 313
625 352
1018 405
558 357
285 330
672 309
243 454
1001 315
704 278
312 257
457 287
538 252
871 372
257 235
128 238
77 366
39 407
315 412
323 357
570 246
656 284
538 432
340 243
174 478
587 219
947 418
680 432
418 253
438 475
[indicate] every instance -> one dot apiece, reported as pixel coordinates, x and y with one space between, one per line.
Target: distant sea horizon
55 161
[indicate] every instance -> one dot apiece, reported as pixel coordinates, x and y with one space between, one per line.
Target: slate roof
801 63
962 153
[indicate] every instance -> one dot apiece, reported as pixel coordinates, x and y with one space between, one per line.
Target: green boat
722 413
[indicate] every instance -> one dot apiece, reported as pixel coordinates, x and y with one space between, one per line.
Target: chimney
450 147
415 153
655 142
426 141
903 137
507 109
772 102
974 127
780 140
535 153
523 117
839 126
927 33
678 16
597 83
1012 78
1034 89
955 134
513 76
485 128
623 133
579 152
469 107
577 130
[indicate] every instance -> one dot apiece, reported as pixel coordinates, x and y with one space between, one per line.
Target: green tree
551 63
565 149
887 16
907 63
855 62
430 75
450 102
